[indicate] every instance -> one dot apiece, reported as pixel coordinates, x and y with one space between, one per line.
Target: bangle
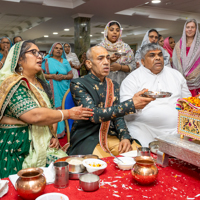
1 63
68 114
62 115
121 68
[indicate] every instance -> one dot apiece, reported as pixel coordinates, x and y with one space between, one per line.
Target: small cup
89 182
61 174
143 151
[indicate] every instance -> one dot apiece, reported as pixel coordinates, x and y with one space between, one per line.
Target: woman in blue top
58 73
6 44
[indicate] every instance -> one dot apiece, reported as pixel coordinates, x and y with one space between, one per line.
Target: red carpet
178 181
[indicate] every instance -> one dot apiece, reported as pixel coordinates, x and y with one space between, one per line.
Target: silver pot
89 182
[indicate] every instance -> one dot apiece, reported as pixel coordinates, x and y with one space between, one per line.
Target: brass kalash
31 183
144 171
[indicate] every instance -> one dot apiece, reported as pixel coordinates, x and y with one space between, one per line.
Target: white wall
43 47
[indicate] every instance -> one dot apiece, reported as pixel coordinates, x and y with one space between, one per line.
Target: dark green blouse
91 93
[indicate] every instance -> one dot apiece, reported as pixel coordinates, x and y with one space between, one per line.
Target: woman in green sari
27 117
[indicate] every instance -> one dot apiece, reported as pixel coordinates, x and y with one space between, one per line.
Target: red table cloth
180 180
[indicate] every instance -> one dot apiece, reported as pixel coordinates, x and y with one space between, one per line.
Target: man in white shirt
159 117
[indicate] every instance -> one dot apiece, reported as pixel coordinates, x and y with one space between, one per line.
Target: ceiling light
90 35
102 32
66 29
155 1
46 36
55 33
147 2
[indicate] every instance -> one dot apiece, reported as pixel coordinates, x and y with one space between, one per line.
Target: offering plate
152 94
120 53
184 149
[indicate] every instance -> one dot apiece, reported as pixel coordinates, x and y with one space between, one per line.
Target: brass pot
145 170
31 183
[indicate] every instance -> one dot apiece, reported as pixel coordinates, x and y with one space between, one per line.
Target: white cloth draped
159 117
145 41
75 61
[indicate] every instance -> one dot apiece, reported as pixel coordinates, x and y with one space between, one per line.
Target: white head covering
118 45
145 41
74 59
194 53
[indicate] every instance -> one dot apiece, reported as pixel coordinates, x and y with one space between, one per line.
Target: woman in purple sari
186 56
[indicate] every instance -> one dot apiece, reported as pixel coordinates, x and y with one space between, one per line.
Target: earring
20 69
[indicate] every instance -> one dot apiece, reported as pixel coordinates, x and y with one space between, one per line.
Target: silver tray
152 94
154 146
120 54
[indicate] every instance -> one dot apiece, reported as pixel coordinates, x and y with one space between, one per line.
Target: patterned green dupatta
14 139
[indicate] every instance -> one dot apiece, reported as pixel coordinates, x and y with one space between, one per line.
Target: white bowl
52 196
92 161
126 164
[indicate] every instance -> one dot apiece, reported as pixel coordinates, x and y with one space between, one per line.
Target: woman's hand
80 113
70 62
54 143
114 58
115 67
137 64
77 67
58 77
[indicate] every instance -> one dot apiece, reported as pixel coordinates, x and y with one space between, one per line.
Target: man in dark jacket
107 125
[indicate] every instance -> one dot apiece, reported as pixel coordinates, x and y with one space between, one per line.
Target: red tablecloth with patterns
180 180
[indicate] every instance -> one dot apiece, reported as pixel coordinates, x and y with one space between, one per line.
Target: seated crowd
110 114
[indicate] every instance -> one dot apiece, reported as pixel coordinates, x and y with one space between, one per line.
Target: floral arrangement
190 104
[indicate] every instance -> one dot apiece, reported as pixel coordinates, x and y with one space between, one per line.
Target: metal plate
152 94
154 146
120 54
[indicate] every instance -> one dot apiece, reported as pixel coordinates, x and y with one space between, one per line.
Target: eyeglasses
156 37
35 53
5 43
